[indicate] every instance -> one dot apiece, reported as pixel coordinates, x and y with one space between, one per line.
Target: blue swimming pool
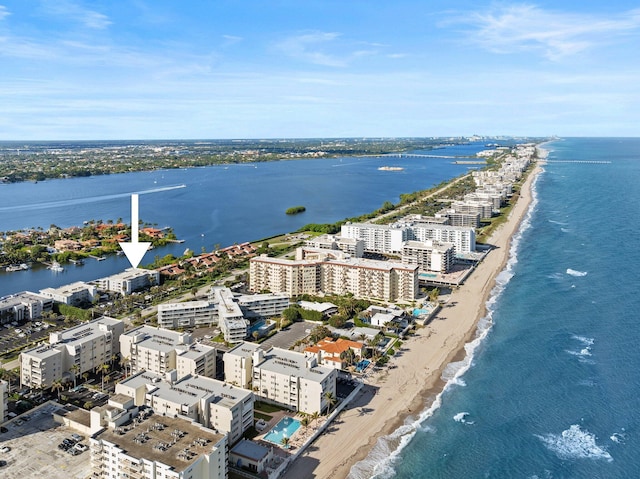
362 365
286 426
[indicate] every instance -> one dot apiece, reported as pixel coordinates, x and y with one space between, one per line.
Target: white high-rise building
238 364
152 349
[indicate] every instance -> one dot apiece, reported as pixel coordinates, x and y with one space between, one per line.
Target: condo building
291 379
189 314
263 306
428 255
4 400
214 404
383 280
129 281
230 318
74 294
353 247
152 349
238 364
71 352
24 306
159 447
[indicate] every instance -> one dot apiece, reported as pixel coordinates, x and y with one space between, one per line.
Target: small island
294 210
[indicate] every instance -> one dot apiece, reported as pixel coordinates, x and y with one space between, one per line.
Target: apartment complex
159 447
428 255
265 305
288 378
71 352
230 318
152 349
353 247
129 281
74 294
238 364
214 404
24 306
187 315
330 274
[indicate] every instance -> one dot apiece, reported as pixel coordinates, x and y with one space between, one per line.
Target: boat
17 267
391 168
55 267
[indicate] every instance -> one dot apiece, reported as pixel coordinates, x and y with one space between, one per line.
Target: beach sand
415 378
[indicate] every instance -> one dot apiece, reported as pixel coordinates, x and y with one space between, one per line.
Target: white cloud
74 11
4 12
308 47
554 34
231 40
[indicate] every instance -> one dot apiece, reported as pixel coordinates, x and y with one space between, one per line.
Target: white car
5 449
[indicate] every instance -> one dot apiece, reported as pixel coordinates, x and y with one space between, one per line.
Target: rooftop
172 441
291 363
244 349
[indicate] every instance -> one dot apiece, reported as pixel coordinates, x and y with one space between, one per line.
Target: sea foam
575 443
380 461
573 272
462 418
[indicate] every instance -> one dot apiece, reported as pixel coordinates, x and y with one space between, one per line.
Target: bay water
550 387
217 205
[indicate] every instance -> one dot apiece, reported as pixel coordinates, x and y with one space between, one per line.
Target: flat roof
189 389
251 450
283 361
184 306
68 288
152 436
85 331
158 339
244 349
195 351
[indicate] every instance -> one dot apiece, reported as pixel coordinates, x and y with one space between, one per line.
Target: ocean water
551 387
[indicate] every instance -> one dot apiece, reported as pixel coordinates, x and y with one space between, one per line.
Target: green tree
331 400
74 369
57 386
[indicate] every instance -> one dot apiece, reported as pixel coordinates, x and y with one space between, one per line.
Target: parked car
81 447
76 437
5 449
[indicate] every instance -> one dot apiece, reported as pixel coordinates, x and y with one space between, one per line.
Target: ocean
550 387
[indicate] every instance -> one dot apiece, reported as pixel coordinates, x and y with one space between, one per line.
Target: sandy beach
414 380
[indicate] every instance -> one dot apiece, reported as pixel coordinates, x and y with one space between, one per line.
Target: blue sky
157 69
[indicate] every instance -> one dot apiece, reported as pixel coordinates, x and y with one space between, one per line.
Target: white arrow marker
134 250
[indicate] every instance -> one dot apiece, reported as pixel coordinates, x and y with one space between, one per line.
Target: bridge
580 161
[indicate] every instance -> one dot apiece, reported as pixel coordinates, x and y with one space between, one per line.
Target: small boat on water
17 267
55 267
391 168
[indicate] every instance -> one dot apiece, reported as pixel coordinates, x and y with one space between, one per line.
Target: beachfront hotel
74 294
159 447
24 306
316 270
129 281
71 352
216 405
292 380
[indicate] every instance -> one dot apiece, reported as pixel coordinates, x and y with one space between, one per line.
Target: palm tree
57 385
285 442
85 376
315 416
124 362
74 369
331 400
103 368
305 421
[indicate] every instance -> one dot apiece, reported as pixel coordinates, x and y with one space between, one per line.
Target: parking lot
34 438
288 337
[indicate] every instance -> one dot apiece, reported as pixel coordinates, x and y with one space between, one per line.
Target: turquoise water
551 386
418 312
285 427
362 365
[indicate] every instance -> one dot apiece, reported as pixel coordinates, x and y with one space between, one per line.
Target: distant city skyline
160 69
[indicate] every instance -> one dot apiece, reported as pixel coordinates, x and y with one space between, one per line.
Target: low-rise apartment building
238 364
71 352
188 314
214 404
129 281
230 318
24 306
160 447
152 349
74 294
291 379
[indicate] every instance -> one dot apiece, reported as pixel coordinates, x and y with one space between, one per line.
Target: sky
206 69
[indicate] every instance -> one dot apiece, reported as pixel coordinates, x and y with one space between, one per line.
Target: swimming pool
286 427
362 365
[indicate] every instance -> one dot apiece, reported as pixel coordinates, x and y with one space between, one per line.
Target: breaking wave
575 443
573 272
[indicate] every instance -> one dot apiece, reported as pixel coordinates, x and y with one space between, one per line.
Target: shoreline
406 395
